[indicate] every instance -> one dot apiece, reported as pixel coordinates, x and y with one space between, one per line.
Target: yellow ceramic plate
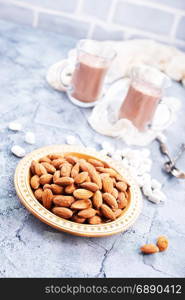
21 180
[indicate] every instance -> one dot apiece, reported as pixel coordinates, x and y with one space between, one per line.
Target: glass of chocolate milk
93 62
145 91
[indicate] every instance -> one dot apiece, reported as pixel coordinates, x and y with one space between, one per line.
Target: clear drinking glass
92 63
145 91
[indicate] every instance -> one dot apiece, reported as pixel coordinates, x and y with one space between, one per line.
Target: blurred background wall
162 20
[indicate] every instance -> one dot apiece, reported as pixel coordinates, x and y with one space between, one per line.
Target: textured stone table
29 248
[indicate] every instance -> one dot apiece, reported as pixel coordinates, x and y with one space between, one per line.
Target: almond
91 186
56 189
87 213
82 194
94 220
99 213
32 167
70 189
75 170
107 212
81 177
64 181
162 243
38 194
102 175
47 197
113 181
121 186
115 193
110 200
122 201
78 219
49 168
66 170
81 204
97 199
149 249
46 179
62 212
55 156
119 177
35 182
45 159
110 171
88 179
95 177
39 169
64 201
56 176
57 162
107 185
71 159
95 162
47 186
83 165
118 212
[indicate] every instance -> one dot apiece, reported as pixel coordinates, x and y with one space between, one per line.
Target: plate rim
27 198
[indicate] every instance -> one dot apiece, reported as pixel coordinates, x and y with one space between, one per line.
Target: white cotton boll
156 184
18 151
159 194
15 126
71 140
30 137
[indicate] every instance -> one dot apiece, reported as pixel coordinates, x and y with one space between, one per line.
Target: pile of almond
83 190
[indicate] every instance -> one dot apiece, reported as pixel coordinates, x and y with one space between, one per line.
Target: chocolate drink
88 78
139 107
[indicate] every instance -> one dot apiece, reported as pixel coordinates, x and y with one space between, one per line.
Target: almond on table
149 249
162 243
82 190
